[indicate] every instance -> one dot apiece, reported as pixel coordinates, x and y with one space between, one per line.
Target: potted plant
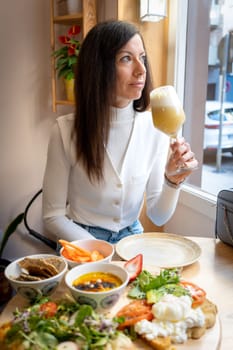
5 287
67 57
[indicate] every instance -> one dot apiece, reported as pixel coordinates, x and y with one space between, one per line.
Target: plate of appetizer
165 312
159 310
160 249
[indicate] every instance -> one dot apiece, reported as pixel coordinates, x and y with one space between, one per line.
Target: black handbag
224 216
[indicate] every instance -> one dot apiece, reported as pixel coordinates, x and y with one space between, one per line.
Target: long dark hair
94 92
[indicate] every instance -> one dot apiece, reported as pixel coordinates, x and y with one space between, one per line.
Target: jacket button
116 220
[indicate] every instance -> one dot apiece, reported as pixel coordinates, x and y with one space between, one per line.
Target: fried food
36 269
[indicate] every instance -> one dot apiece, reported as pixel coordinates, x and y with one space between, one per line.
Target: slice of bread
210 310
40 267
159 343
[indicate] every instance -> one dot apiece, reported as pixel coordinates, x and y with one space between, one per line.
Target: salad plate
210 340
166 250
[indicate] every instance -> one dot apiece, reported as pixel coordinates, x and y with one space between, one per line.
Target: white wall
195 213
25 105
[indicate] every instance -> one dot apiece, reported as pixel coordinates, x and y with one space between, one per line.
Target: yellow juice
168 119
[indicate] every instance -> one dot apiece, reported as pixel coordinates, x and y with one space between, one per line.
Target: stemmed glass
168 116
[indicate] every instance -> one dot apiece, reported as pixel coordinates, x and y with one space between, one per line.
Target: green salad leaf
154 295
81 324
146 282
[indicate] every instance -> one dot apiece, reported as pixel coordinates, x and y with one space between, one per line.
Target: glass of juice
168 115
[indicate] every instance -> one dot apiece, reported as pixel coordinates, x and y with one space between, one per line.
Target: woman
102 160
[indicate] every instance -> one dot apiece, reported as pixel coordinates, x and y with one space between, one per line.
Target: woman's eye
143 59
125 58
128 58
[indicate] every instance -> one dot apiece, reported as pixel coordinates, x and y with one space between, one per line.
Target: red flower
71 50
64 39
74 30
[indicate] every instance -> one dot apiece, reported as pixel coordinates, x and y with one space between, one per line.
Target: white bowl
98 300
103 247
33 289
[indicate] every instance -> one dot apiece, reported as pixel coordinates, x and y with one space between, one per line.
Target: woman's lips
138 84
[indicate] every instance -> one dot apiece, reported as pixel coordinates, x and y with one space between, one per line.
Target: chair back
49 242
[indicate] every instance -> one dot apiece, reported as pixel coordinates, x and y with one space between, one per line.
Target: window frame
190 79
191 72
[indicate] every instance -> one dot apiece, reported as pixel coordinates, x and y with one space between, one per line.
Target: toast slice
159 343
39 267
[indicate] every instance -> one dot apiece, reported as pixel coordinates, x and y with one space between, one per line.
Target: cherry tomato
49 308
198 294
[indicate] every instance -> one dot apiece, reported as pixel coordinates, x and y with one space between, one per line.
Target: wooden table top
213 272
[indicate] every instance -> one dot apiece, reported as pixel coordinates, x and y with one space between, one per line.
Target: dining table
213 271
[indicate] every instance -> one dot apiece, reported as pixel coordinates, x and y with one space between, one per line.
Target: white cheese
173 316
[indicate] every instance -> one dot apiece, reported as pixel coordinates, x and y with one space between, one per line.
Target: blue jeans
112 236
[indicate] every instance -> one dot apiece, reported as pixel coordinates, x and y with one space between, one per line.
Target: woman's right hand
181 155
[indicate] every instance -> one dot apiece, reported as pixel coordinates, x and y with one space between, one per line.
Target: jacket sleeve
161 199
55 188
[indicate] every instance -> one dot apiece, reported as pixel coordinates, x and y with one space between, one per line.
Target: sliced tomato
134 312
198 294
49 308
134 266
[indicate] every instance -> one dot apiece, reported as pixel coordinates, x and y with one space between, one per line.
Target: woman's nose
140 68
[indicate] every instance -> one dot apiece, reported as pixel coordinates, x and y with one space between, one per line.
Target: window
198 81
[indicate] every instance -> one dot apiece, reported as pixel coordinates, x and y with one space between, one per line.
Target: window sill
198 200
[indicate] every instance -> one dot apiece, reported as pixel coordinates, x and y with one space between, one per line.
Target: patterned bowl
99 300
34 289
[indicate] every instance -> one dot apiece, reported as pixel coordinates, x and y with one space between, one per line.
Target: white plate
160 249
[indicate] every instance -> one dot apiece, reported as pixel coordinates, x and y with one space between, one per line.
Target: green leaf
70 75
62 61
85 311
146 281
61 52
11 228
72 60
136 293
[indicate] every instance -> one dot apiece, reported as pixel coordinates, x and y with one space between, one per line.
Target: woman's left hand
181 155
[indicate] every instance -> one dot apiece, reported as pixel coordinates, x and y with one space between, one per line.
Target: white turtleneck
120 133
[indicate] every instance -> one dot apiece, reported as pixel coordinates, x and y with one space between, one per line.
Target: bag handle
227 223
52 244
